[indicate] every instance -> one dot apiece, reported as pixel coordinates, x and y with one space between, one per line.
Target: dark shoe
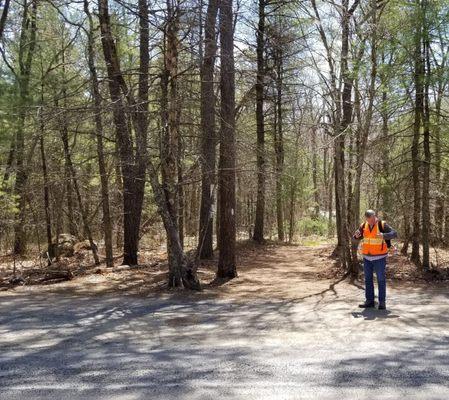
382 306
366 305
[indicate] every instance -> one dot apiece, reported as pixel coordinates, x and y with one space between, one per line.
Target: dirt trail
271 271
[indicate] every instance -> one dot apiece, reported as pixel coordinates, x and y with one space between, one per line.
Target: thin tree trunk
419 108
107 223
208 134
362 138
385 190
446 217
425 233
279 144
260 146
439 206
84 217
316 195
46 184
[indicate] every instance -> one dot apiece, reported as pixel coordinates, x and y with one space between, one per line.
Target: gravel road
320 346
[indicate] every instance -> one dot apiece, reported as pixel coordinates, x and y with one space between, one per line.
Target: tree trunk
439 206
316 195
3 17
279 144
169 109
419 108
107 223
226 173
133 166
27 43
425 233
45 179
208 135
182 272
260 146
362 139
385 189
339 145
71 168
446 217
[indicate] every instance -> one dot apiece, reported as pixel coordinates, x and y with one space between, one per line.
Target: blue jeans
379 267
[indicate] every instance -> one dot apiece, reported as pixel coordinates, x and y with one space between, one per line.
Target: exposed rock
66 245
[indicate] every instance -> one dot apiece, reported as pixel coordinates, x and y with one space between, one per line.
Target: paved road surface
56 346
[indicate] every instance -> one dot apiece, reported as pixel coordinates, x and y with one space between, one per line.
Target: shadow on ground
104 347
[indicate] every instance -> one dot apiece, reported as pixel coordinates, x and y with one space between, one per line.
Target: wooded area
200 123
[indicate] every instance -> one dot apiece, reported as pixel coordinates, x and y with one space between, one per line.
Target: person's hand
357 234
380 235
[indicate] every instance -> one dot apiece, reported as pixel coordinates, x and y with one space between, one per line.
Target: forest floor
79 274
287 328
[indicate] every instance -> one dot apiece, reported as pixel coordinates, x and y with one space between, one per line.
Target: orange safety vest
371 244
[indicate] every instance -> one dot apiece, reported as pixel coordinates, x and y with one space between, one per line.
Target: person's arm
389 233
358 235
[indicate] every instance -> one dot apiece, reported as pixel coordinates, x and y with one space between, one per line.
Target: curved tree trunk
133 166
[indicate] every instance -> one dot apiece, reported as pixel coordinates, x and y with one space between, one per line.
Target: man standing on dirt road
376 235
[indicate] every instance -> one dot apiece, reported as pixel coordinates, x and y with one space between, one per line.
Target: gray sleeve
389 232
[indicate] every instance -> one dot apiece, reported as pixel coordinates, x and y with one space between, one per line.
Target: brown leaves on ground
271 270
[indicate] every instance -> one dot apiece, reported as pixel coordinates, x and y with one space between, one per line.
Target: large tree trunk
133 166
27 43
3 17
226 173
170 112
339 144
182 272
260 146
208 135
